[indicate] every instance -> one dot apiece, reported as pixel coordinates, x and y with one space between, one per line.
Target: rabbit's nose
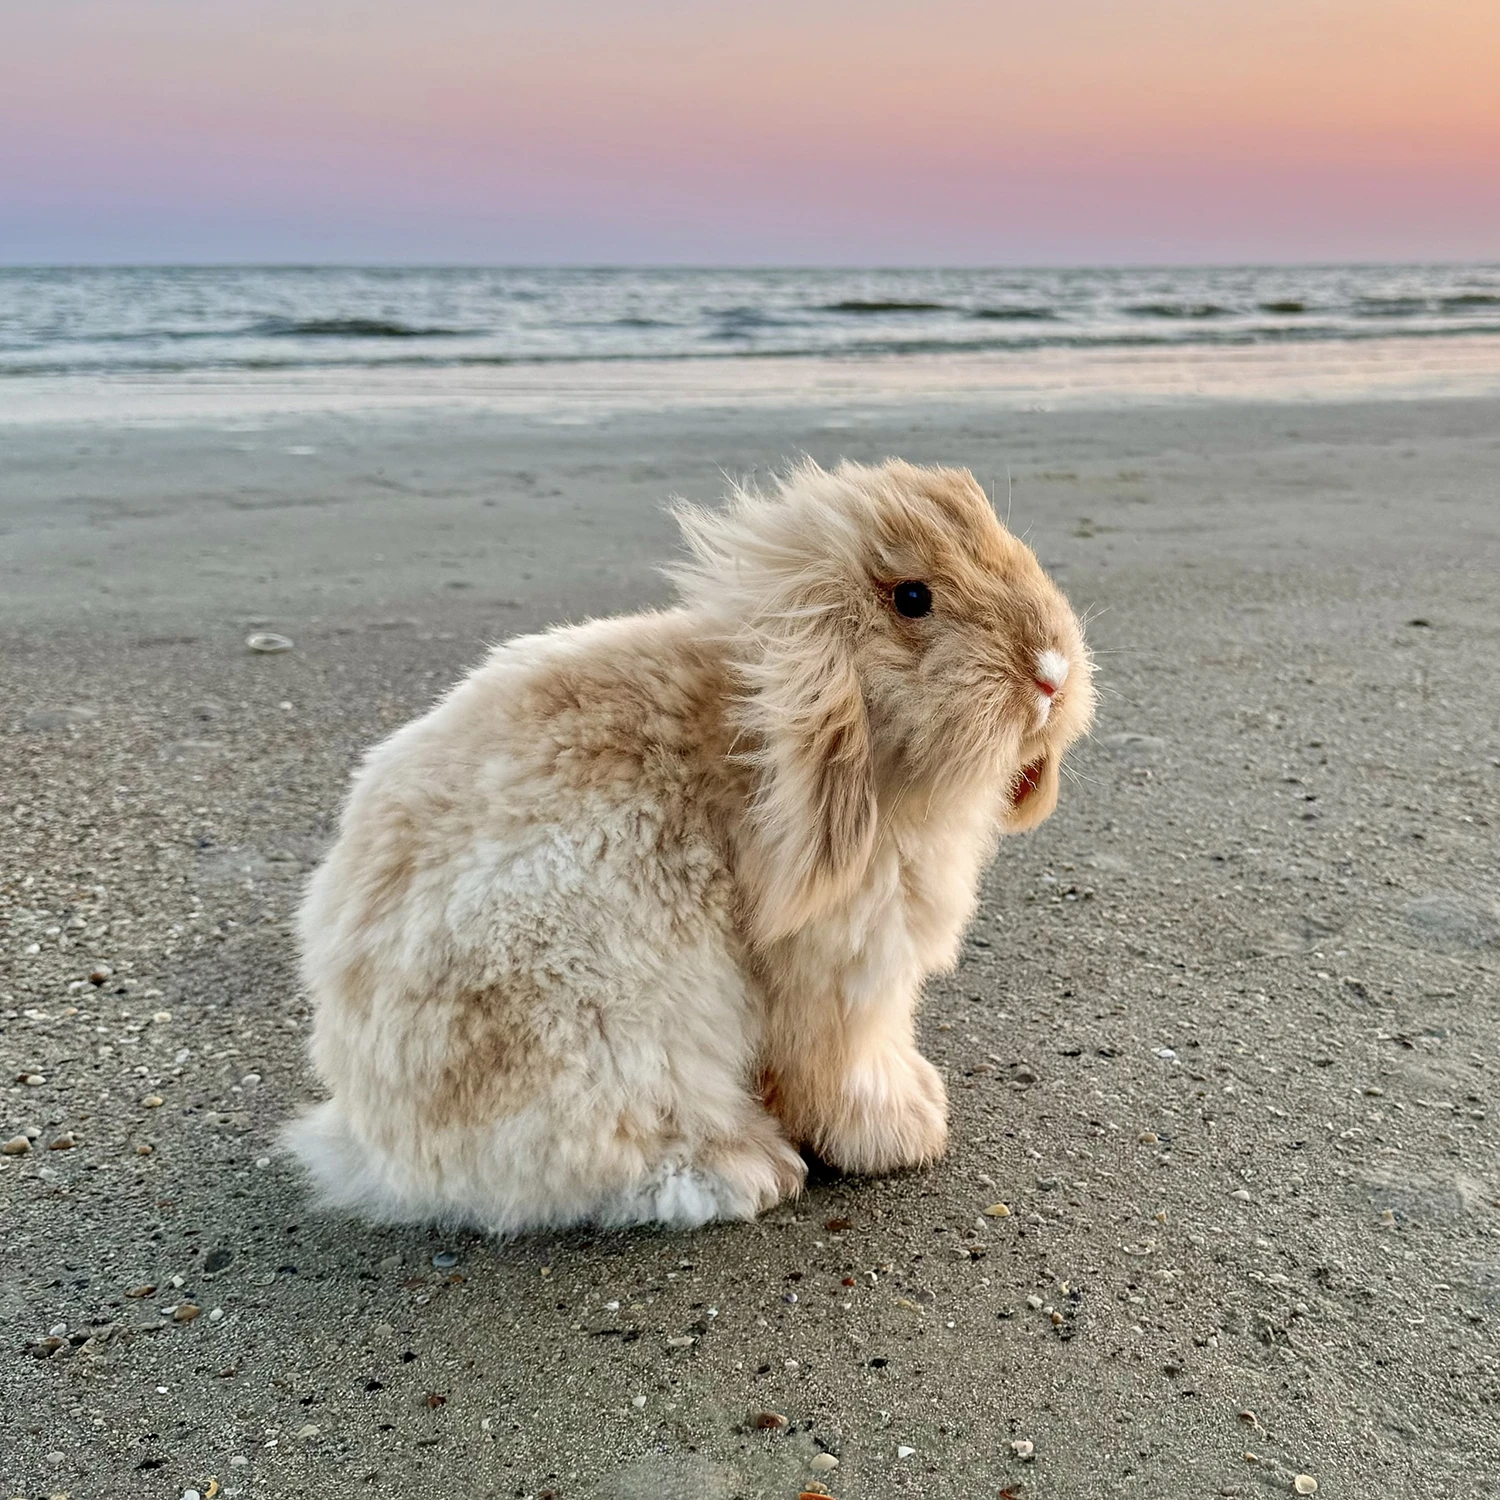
1051 672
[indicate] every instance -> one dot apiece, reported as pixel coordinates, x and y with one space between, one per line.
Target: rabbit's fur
644 905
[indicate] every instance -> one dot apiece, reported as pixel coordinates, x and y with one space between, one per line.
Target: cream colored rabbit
644 905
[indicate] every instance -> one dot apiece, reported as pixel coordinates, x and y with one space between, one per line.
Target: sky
803 132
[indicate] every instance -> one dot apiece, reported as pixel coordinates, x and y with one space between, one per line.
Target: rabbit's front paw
890 1111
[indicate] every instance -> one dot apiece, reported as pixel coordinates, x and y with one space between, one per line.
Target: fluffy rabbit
644 905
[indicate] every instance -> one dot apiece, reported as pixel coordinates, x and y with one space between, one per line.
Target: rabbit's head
896 644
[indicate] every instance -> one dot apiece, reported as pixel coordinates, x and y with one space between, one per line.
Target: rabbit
643 907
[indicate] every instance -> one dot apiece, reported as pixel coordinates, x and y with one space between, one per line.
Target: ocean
165 340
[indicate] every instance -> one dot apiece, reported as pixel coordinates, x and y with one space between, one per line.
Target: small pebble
152 1101
904 1452
99 973
17 1145
1241 1195
1149 1138
769 1421
144 1150
238 1461
997 1211
56 1458
823 1463
681 1341
268 642
1023 1448
32 1080
186 1312
309 1431
1305 1484
445 1260
64 1142
639 1402
216 1315
191 1495
1034 1302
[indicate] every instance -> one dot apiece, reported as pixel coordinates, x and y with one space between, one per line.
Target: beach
1222 1204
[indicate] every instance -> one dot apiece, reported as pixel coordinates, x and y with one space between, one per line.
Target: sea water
145 340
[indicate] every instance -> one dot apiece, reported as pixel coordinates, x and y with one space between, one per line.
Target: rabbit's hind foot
726 1180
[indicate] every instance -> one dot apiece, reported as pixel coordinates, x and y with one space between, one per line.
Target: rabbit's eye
912 599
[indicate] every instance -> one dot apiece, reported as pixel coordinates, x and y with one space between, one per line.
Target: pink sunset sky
868 132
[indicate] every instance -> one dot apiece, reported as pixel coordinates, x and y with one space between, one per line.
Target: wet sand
1225 1040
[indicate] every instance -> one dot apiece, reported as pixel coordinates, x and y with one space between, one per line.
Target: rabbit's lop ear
814 812
762 578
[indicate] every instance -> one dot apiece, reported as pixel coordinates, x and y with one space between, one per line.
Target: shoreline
1054 378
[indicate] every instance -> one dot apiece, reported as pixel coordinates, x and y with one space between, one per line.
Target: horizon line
298 264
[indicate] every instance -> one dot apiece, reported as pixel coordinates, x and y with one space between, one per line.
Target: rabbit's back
528 885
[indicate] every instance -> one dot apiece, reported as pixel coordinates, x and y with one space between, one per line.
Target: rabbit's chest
908 915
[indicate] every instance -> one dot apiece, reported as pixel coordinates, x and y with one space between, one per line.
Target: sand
1225 1040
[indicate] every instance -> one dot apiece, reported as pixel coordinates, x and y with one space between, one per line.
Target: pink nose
1044 686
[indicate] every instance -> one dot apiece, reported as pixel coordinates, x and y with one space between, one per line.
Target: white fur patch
1052 666
681 1196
